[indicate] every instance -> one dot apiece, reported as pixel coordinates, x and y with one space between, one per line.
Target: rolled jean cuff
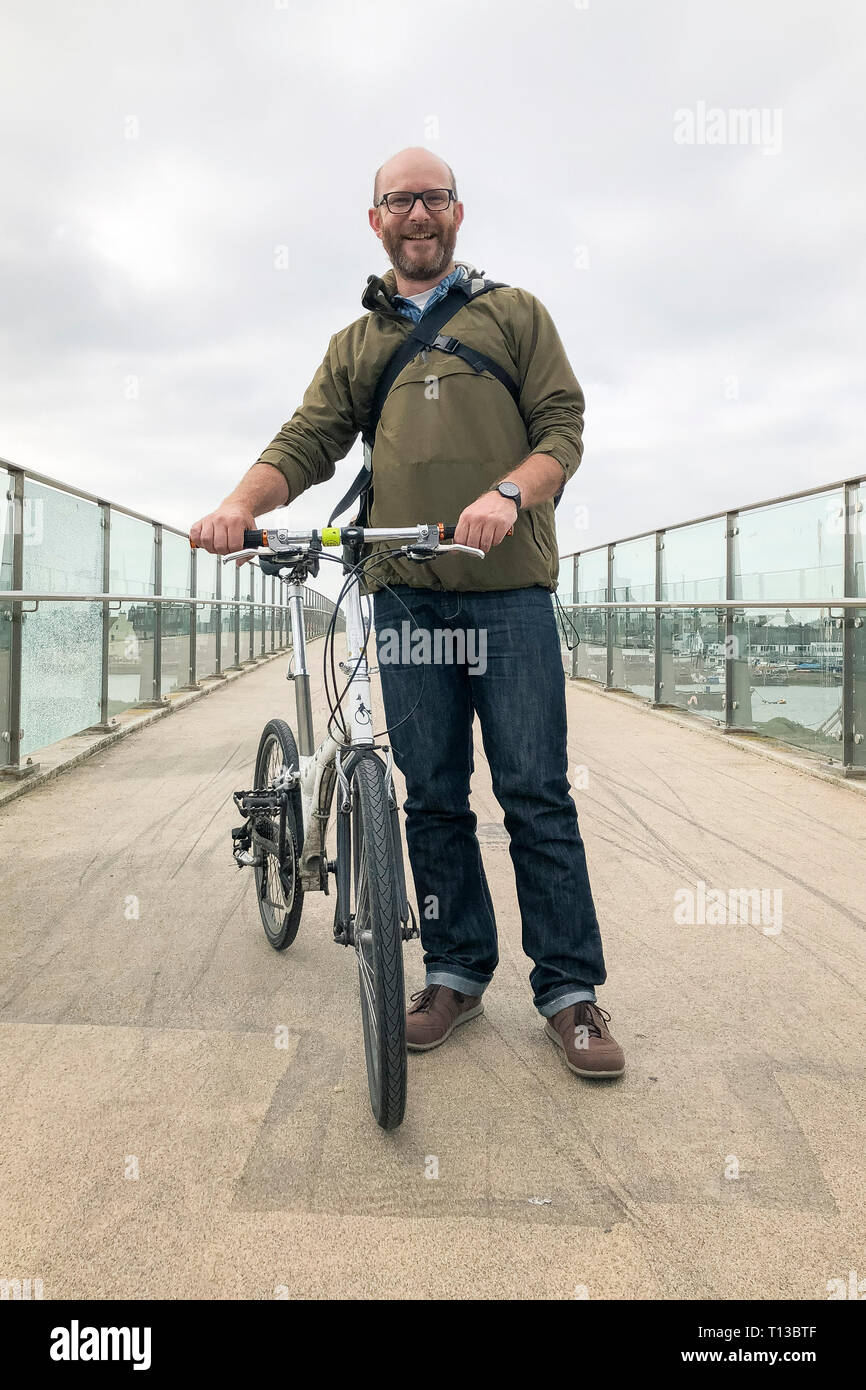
462 983
584 995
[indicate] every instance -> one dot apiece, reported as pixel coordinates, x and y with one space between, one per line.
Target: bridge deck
146 1043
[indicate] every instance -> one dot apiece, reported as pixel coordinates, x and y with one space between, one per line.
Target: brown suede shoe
436 1012
581 1031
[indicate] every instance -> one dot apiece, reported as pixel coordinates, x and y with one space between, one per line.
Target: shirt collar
410 310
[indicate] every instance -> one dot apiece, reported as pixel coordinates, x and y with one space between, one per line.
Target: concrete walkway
158 1142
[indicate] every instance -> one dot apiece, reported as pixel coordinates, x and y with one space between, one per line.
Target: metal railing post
574 600
219 612
608 622
658 679
731 531
105 523
193 624
157 617
237 595
850 519
15 732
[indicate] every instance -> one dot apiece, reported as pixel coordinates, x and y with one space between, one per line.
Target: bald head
412 170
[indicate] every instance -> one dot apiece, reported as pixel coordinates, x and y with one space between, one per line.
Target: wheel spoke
276 883
368 983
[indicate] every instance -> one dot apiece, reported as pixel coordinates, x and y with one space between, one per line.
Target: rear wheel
278 890
378 942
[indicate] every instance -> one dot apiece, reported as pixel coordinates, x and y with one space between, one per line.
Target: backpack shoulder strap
426 334
423 335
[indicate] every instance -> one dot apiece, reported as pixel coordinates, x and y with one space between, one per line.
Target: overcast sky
710 295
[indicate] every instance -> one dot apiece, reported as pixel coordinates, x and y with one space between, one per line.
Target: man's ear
375 221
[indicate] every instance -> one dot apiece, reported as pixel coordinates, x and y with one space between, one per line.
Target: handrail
27 596
721 603
726 511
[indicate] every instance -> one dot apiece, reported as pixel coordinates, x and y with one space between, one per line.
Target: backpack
426 334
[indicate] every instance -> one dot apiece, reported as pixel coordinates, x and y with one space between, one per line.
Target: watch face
509 489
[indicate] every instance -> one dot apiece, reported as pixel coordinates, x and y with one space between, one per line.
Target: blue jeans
512 676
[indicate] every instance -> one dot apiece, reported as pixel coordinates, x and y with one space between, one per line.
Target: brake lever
468 549
247 554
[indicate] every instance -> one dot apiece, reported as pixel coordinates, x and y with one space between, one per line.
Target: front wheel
378 942
278 889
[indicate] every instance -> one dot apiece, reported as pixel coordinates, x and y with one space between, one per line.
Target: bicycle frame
320 768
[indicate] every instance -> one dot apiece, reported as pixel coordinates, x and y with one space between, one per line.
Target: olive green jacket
446 433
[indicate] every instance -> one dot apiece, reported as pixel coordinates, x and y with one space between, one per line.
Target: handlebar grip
252 540
446 533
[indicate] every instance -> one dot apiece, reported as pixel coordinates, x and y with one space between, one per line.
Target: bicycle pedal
244 858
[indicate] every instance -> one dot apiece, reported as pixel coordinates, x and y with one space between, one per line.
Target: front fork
333 766
343 915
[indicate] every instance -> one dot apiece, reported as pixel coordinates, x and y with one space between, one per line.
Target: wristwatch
509 490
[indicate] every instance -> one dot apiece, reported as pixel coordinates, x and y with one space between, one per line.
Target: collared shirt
414 311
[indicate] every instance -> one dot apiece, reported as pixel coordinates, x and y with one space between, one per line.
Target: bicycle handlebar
341 535
427 537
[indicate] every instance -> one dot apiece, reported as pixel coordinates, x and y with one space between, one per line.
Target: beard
423 260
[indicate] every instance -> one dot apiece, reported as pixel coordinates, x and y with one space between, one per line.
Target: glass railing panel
6 513
633 665
565 587
131 630
248 633
591 663
132 555
791 549
61 665
788 679
176 577
5 674
131 633
176 565
693 562
175 646
634 569
206 628
207 616
228 655
592 576
857 526
693 660
271 617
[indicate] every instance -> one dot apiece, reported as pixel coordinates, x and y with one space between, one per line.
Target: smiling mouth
427 236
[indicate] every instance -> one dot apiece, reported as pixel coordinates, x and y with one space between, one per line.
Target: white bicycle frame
320 768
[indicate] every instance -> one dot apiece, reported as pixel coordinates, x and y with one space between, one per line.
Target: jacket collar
378 295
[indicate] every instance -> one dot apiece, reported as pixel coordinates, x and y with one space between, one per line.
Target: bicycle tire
278 891
378 943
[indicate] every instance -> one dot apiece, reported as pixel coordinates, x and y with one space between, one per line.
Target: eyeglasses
434 200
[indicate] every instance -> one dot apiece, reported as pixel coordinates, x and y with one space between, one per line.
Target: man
450 434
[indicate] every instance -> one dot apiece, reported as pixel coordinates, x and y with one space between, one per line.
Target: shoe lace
585 1014
425 998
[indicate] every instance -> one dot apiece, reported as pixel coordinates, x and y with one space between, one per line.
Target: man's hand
223 530
485 522
261 489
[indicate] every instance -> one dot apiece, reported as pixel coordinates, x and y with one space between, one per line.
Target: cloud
163 156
